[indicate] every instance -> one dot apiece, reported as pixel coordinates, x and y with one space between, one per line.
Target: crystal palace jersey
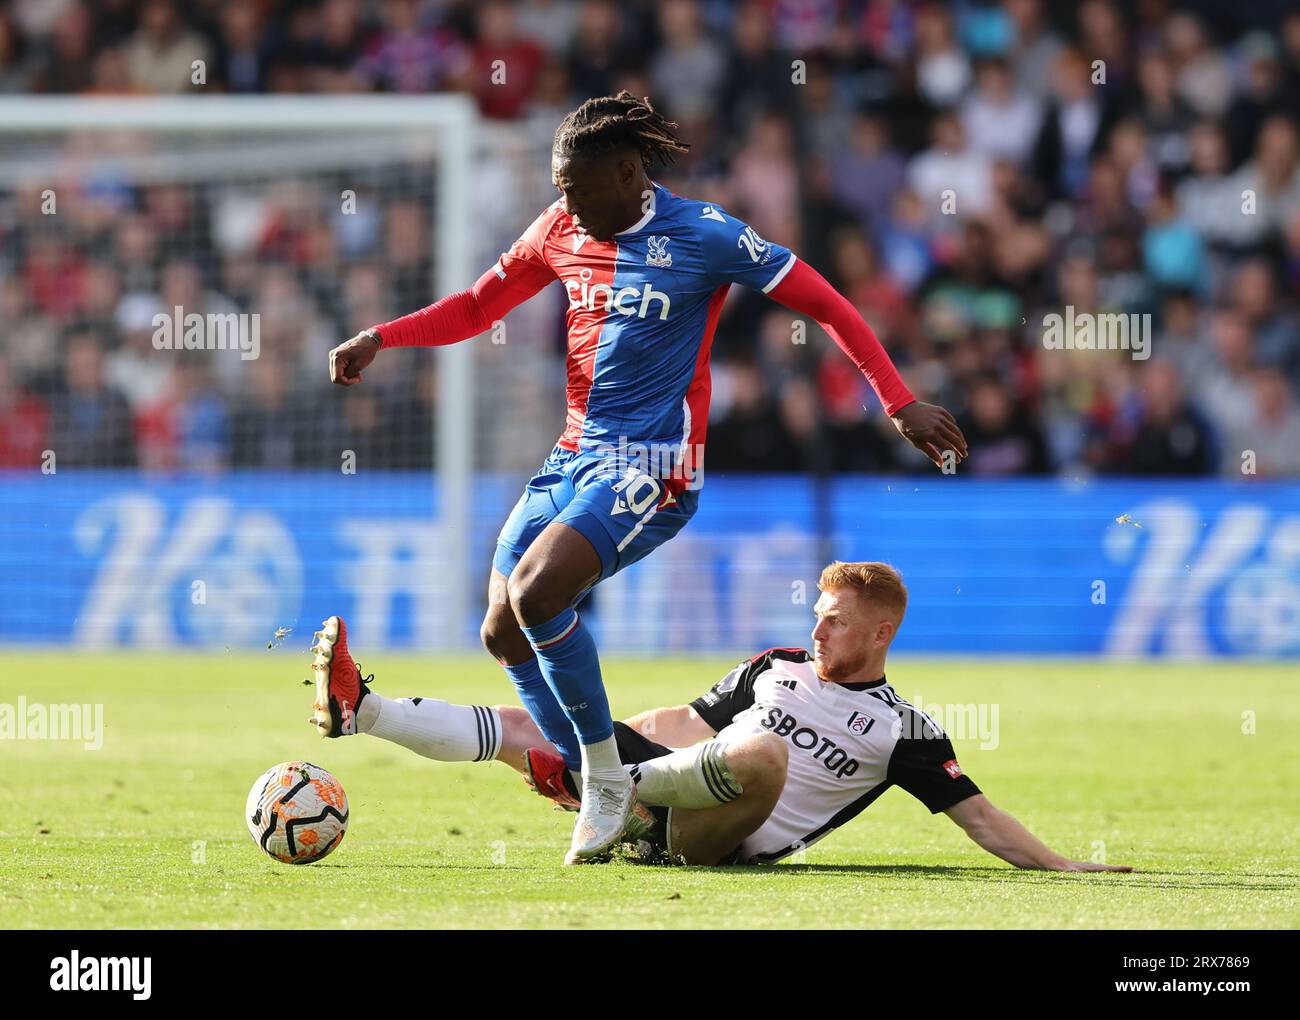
642 308
847 747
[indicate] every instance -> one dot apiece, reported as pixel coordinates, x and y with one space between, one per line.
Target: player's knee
530 599
500 633
760 762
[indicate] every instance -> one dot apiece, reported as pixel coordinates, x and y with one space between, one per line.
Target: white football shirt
847 747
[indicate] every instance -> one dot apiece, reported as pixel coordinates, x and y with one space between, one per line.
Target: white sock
433 728
601 761
694 777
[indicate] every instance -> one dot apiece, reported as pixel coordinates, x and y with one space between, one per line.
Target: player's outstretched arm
454 318
680 726
1001 835
928 427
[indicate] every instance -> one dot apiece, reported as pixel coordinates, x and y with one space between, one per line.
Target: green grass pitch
1146 763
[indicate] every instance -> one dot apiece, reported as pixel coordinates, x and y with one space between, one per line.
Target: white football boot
609 815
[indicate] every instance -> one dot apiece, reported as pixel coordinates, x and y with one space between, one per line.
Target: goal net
173 273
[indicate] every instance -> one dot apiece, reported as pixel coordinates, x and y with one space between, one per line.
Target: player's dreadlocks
609 123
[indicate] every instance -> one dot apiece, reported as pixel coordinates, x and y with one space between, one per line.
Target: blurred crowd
958 171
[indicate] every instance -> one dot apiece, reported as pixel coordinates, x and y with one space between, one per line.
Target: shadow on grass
1148 879
1140 878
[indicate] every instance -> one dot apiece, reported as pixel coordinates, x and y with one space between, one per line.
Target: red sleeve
518 275
805 290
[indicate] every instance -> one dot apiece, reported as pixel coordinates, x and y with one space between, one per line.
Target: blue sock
542 705
567 655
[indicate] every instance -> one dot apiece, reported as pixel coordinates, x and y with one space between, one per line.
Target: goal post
225 138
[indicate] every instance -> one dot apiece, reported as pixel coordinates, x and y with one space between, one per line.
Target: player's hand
1090 866
932 430
349 358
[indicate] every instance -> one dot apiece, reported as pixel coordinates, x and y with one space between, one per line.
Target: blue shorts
616 513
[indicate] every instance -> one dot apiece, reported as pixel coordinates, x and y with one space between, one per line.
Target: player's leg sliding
714 809
568 659
713 836
695 777
433 728
345 705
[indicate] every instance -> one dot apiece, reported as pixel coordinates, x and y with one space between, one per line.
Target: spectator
24 425
1209 200
942 69
1271 433
1161 173
1272 178
688 70
756 76
1001 121
68 56
551 23
33 337
1103 35
90 421
766 181
135 368
1204 82
1036 48
748 435
162 54
905 242
502 66
406 57
1164 116
1172 254
16 70
950 175
335 47
1172 438
601 49
823 117
1001 437
1183 338
112 75
1262 94
243 50
187 429
1223 381
1276 333
866 170
1075 126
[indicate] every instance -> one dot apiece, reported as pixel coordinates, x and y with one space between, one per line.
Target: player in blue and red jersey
646 272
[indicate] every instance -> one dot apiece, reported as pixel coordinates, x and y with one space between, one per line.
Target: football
297 812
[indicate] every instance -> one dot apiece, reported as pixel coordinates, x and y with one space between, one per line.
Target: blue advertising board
1124 568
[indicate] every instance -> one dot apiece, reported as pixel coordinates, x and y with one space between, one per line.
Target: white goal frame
451 120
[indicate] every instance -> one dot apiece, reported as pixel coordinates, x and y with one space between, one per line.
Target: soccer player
794 745
646 272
